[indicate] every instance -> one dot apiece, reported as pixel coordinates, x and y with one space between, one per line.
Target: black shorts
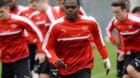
19 69
134 60
120 65
43 68
32 51
84 73
46 68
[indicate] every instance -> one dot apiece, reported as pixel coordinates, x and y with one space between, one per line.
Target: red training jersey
129 31
70 41
13 44
27 13
44 19
112 39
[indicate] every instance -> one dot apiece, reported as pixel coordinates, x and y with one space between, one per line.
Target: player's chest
9 27
41 20
126 27
74 30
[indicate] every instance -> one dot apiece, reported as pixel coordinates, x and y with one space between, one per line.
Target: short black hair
136 9
120 3
78 1
3 3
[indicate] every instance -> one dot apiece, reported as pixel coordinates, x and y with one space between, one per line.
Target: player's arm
30 26
49 47
100 45
109 31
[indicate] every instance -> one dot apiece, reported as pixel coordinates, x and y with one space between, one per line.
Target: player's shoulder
34 14
21 7
58 21
113 20
19 18
133 17
89 19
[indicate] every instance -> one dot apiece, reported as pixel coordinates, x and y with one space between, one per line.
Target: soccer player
67 43
60 9
43 17
13 46
128 26
117 41
30 39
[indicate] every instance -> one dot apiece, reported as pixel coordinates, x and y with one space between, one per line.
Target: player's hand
40 57
35 40
60 63
107 65
118 43
121 57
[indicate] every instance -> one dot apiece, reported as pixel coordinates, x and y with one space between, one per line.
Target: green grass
98 70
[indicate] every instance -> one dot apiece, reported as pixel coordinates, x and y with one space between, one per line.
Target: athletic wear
26 13
12 41
129 31
85 73
44 19
70 41
18 69
113 40
134 60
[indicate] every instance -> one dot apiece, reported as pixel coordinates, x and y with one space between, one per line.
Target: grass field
98 70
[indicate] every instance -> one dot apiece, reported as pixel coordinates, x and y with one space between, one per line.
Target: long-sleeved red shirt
13 45
27 13
112 38
43 19
129 30
70 41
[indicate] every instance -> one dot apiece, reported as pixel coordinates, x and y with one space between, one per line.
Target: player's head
136 10
4 10
42 5
127 3
60 3
33 4
119 9
11 4
71 8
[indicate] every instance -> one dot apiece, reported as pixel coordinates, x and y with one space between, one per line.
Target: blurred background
100 9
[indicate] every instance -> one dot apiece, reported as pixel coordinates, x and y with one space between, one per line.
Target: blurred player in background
13 46
43 17
128 26
116 40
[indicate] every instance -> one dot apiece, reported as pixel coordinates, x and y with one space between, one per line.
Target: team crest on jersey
63 30
38 17
85 28
13 25
130 26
